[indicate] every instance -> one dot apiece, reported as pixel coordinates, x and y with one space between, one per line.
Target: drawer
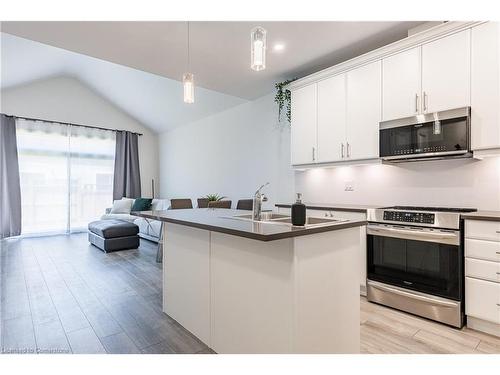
482 269
482 229
480 249
482 299
349 215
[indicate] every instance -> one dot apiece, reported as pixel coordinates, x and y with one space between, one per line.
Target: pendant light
188 78
258 48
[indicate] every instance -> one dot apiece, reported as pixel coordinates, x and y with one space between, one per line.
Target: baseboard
483 326
362 290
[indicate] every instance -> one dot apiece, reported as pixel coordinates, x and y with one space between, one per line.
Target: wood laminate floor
61 295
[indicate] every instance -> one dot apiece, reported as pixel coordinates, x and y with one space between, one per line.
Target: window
66 175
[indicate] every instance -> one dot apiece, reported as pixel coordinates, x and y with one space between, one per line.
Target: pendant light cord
188 56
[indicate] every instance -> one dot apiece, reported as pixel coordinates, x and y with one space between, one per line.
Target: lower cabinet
344 215
482 276
482 299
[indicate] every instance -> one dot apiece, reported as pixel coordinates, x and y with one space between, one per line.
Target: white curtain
66 175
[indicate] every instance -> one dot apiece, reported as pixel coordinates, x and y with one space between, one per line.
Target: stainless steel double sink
275 218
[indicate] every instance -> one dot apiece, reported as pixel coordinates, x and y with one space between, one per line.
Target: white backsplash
457 183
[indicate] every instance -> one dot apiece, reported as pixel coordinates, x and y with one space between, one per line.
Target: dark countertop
333 206
219 220
482 215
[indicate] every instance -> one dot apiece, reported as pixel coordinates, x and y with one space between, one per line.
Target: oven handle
418 234
411 295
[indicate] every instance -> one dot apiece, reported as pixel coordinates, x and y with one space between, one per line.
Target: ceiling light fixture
258 48
188 78
278 47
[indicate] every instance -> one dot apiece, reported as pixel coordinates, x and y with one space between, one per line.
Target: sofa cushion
159 204
142 204
122 206
124 217
113 228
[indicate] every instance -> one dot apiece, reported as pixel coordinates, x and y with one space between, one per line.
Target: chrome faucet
258 198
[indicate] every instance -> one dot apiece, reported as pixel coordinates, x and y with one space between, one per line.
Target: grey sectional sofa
148 229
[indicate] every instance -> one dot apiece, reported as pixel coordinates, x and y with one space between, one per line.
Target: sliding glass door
66 175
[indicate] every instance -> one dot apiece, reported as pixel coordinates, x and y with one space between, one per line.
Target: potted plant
283 98
214 197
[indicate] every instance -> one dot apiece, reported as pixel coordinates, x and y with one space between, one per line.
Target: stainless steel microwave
436 135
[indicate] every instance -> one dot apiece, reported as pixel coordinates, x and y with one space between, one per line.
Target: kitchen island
243 286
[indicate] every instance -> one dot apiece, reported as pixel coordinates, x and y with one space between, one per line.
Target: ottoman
113 235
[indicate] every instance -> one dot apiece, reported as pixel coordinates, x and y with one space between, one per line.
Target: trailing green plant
214 197
283 98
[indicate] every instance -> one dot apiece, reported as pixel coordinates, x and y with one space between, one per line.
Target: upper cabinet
332 119
304 121
337 119
364 102
485 86
429 78
401 84
446 73
336 113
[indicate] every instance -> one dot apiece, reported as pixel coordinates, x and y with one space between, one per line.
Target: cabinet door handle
314 153
498 231
416 103
348 150
342 150
425 101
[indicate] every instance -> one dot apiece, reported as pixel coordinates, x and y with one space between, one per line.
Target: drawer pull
498 231
498 252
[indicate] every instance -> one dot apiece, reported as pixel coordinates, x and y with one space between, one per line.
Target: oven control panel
409 217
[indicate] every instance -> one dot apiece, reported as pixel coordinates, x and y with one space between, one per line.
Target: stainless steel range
415 261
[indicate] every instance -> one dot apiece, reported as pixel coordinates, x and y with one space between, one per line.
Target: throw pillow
122 206
142 204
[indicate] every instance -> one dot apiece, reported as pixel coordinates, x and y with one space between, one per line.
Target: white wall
68 100
230 153
454 183
233 152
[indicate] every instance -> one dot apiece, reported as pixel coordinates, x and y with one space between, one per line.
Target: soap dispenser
298 212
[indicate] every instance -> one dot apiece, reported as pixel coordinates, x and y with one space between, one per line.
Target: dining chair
177 204
245 204
219 204
202 202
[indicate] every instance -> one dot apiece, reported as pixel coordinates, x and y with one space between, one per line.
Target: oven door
422 259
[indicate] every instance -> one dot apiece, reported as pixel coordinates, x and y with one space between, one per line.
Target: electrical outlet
349 186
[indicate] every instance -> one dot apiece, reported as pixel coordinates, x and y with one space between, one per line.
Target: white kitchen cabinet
304 125
401 85
485 86
482 275
364 107
331 119
482 300
446 73
343 215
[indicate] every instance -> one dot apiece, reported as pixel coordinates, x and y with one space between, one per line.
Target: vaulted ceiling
138 65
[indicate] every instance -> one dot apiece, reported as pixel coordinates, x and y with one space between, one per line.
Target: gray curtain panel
10 188
127 179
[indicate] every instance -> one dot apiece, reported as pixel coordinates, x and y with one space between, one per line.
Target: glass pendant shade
188 83
258 48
